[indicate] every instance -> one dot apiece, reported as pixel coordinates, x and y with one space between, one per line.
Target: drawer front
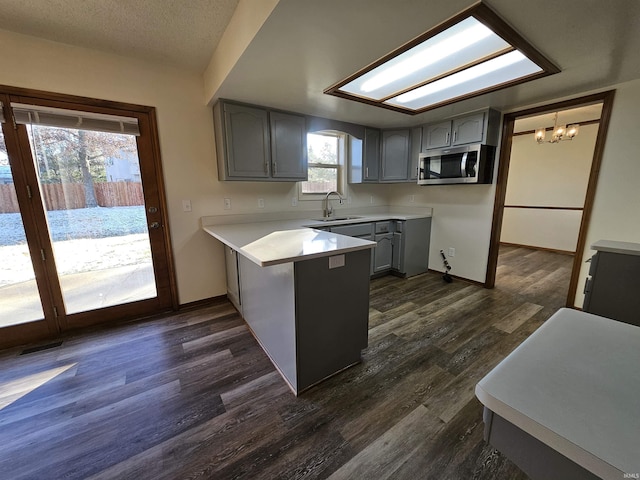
356 230
384 227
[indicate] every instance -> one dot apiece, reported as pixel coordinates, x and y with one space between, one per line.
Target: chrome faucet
328 209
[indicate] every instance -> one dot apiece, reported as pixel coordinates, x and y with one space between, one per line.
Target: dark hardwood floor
192 395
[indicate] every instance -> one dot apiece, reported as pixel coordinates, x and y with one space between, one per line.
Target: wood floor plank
192 394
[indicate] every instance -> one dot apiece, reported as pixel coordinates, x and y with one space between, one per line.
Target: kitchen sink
333 219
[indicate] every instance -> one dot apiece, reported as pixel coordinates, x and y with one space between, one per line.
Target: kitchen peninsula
303 291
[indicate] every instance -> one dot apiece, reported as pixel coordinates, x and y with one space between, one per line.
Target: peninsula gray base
311 317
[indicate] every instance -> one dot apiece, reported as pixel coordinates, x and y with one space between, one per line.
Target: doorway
533 217
84 230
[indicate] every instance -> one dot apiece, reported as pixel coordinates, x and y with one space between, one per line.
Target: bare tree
66 155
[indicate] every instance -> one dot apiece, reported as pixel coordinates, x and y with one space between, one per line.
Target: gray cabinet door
371 155
415 144
469 129
395 155
384 252
437 135
247 142
288 146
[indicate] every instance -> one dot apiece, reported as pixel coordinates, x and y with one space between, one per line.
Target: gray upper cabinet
479 127
288 146
243 143
414 153
395 155
371 155
255 144
468 129
437 135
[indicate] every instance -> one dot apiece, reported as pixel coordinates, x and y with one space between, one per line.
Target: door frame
606 98
148 147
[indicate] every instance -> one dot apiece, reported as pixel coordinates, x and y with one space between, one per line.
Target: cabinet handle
455 136
275 168
266 167
366 172
448 136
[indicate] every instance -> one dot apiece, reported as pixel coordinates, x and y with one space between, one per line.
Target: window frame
339 166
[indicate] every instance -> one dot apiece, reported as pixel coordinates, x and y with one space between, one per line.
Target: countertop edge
613 246
365 244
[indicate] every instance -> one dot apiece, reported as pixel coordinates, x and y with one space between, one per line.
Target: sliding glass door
19 298
95 246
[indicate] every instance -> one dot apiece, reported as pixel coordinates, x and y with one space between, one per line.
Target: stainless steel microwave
464 164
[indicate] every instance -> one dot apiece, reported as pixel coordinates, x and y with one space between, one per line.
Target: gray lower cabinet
311 318
358 230
397 257
402 245
383 252
256 144
612 290
415 243
233 277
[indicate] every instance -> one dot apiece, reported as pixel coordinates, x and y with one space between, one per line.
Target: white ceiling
307 45
183 33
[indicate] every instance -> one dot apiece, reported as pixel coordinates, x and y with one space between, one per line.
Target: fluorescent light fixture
470 54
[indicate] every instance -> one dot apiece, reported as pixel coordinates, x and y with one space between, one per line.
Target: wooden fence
68 196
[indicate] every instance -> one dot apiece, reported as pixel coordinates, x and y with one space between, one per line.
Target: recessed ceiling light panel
470 54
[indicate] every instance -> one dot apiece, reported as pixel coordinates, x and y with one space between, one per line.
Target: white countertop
294 239
283 241
612 246
272 243
575 385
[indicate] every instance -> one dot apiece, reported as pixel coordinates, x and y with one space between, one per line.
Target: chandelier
560 132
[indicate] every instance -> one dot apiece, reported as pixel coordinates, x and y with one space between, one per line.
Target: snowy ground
99 222
84 240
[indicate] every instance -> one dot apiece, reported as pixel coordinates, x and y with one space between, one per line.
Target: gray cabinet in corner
395 155
256 144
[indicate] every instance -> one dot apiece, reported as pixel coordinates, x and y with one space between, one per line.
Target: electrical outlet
261 203
186 205
227 204
412 198
349 200
371 199
452 252
294 201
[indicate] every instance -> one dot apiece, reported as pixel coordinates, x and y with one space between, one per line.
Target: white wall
547 175
462 216
185 125
616 210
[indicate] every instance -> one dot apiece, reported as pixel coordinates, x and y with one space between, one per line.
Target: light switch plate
186 205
